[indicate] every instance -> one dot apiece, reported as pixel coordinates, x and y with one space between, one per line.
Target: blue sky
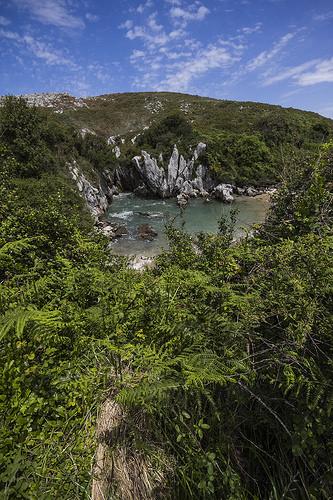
277 51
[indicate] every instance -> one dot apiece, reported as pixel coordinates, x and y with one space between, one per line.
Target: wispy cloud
309 73
206 59
192 13
144 6
249 30
4 21
325 16
289 73
321 73
151 33
53 12
38 48
91 17
267 55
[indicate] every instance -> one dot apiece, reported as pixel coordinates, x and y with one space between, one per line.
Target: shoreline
252 210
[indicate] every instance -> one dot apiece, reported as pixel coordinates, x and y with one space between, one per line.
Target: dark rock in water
142 190
119 230
144 214
182 200
146 232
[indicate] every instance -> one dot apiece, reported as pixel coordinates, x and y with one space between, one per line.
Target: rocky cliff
97 197
151 176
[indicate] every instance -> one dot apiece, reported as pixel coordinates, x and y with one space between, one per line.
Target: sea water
199 215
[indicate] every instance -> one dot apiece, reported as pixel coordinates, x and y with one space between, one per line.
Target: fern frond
19 317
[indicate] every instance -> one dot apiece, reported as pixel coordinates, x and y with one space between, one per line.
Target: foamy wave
123 215
157 215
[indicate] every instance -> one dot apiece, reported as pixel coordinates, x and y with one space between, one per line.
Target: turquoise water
199 216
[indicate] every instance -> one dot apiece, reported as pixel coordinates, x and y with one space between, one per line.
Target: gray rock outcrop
97 198
224 192
179 176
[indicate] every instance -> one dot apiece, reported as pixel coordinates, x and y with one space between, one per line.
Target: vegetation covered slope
247 142
220 357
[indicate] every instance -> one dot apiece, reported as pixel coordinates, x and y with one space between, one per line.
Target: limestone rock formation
150 175
97 198
224 192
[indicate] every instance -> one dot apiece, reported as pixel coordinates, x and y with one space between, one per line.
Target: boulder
119 230
224 192
96 198
146 232
251 191
198 184
187 188
112 140
108 231
182 200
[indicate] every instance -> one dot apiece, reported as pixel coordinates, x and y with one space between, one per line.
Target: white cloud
128 24
137 54
309 73
39 49
144 6
10 35
152 33
289 73
267 55
193 13
321 73
53 12
159 38
153 24
42 51
4 21
249 30
327 16
91 17
212 57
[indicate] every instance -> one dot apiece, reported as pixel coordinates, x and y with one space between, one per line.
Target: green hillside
246 141
114 114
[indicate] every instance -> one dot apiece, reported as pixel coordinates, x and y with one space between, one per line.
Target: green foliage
31 136
242 159
220 356
304 202
162 135
95 149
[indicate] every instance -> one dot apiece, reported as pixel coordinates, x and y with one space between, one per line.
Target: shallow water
199 216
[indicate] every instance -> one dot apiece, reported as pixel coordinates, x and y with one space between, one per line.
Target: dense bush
220 356
162 135
242 159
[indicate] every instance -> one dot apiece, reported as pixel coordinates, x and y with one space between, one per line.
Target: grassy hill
120 114
247 142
